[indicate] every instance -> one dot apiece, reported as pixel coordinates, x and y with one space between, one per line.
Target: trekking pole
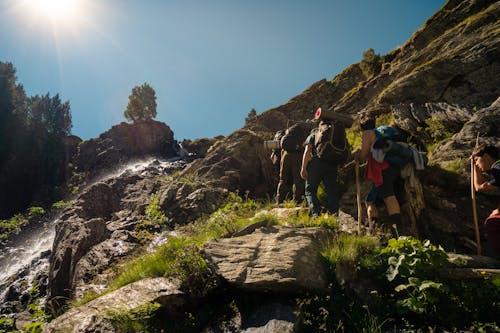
358 197
473 198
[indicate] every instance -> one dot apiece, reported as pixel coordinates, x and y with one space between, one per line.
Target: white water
25 248
37 239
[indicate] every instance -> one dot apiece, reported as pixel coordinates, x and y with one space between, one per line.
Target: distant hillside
453 59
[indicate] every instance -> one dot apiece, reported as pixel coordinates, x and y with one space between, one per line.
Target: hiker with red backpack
384 173
487 159
326 149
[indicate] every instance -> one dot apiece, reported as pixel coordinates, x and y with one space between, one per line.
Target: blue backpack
389 140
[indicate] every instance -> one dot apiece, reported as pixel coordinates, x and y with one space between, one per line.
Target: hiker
387 185
291 185
325 149
276 157
486 159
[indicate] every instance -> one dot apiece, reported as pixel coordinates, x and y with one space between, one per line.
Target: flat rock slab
272 259
127 298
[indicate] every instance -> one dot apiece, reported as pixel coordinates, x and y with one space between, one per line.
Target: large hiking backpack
395 144
294 138
330 142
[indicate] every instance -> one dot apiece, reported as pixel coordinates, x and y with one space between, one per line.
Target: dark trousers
290 177
322 171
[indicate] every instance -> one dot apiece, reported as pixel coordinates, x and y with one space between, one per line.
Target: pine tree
141 103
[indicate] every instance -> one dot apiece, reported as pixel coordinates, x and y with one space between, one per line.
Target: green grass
349 248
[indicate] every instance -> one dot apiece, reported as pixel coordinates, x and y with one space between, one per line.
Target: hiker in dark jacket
486 159
291 185
314 171
385 177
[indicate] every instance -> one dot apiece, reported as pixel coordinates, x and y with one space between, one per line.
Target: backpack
394 143
397 134
330 142
294 138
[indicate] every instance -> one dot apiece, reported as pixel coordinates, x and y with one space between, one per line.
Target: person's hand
356 154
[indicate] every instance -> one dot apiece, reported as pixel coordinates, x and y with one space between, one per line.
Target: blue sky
210 61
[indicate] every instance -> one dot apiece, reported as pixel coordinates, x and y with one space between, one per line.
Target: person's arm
367 139
306 157
480 184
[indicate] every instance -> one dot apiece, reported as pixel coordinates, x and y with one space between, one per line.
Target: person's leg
311 186
329 177
297 179
285 185
392 205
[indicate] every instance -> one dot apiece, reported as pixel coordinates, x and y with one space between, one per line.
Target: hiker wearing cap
486 160
387 185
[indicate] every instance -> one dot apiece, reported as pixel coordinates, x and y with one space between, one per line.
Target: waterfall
24 260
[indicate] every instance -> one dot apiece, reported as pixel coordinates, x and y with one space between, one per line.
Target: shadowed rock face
125 142
237 162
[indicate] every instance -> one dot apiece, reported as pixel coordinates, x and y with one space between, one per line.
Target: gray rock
100 311
274 259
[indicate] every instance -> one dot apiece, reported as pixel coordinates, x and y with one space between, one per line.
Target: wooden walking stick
473 198
358 197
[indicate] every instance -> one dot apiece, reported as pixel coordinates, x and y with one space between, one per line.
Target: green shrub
6 324
154 212
35 212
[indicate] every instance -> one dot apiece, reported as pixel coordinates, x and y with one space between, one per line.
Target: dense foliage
141 103
32 145
406 293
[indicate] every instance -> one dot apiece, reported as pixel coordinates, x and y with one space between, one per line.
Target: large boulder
98 314
272 259
238 162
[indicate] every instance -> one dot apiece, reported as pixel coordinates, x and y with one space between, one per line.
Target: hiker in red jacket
384 176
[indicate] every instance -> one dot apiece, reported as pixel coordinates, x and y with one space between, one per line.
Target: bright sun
55 10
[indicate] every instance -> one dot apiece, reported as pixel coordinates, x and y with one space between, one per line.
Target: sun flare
55 10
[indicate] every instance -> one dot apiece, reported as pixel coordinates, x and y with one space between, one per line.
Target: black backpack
330 142
294 138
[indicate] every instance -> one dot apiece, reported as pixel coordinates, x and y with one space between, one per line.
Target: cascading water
24 261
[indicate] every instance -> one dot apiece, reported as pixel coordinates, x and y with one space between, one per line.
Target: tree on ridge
141 103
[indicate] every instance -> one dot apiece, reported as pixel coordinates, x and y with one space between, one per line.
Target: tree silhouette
141 103
371 63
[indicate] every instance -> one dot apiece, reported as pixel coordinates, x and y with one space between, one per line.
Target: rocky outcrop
98 229
184 202
123 143
238 162
99 315
275 261
484 122
199 147
271 259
